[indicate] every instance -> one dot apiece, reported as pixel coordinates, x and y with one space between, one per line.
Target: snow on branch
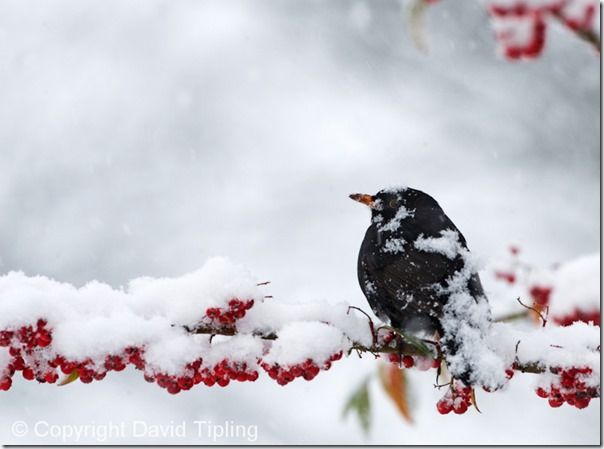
215 325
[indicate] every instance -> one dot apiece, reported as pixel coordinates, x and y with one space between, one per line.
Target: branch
585 34
396 346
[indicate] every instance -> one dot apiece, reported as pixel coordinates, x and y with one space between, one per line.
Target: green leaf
411 340
73 376
359 403
416 343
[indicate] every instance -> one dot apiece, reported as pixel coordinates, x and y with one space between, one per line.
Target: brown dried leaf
395 383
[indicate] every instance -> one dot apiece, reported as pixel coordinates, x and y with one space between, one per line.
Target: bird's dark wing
402 286
407 286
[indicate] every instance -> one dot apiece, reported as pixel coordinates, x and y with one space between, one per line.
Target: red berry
28 374
394 358
581 403
18 364
460 407
408 361
540 295
173 388
5 338
555 402
86 378
51 377
68 367
505 276
541 393
5 383
185 383
336 356
444 407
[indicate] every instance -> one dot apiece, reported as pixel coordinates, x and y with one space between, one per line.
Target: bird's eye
393 204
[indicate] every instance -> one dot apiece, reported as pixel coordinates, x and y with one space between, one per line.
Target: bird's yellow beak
367 200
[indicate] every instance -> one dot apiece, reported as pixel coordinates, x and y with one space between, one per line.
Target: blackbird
415 270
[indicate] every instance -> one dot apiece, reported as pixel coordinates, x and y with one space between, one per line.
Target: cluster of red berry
27 337
457 399
307 369
32 354
570 388
195 373
235 311
25 346
408 361
579 315
520 27
541 295
506 276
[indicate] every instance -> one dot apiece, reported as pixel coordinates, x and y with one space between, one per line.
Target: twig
401 347
586 34
371 326
512 317
544 319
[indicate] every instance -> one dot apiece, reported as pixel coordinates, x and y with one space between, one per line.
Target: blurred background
142 137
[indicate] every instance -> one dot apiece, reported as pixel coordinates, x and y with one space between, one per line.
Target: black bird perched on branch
415 269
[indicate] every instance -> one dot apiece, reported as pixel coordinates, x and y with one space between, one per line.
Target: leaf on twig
395 383
359 403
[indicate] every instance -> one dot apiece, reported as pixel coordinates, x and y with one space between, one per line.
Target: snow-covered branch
215 325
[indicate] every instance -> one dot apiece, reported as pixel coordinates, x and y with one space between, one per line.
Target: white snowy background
143 137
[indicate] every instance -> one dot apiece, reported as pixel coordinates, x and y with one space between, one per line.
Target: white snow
447 244
550 346
300 341
257 165
96 320
394 245
576 285
272 316
467 321
395 222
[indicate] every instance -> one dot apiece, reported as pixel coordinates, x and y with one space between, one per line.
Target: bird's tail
465 327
